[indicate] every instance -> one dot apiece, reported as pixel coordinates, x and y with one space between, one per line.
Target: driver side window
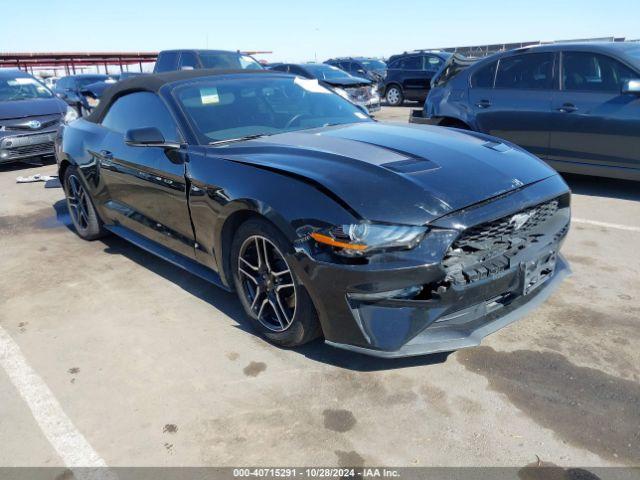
139 110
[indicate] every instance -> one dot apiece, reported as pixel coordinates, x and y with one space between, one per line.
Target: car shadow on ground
228 304
603 187
24 165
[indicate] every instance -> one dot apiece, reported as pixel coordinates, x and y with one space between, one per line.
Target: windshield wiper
240 139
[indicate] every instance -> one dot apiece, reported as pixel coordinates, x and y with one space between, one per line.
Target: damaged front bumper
457 286
444 333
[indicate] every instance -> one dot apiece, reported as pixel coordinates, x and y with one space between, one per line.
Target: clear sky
304 29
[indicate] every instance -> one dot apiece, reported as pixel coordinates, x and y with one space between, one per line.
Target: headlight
70 115
342 92
362 238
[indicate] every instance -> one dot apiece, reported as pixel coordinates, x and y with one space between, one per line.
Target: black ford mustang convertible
390 240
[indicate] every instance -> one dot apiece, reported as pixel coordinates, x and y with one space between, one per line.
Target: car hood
96 89
408 174
347 82
28 108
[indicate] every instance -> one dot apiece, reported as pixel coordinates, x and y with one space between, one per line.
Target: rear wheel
83 214
277 304
394 96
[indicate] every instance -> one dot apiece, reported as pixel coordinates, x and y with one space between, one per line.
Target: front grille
21 125
498 232
31 150
486 249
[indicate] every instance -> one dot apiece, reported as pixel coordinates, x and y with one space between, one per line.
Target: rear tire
81 210
394 96
276 303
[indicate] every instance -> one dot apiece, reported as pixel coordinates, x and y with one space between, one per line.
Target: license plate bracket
537 271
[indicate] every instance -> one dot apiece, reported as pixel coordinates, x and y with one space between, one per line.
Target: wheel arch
454 122
233 222
62 168
393 84
235 214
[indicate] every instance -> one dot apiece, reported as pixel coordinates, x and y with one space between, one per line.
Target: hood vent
412 165
497 146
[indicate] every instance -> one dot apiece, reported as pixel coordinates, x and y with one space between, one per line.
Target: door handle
567 108
483 104
105 159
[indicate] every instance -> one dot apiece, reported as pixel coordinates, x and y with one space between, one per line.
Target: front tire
394 96
83 214
276 303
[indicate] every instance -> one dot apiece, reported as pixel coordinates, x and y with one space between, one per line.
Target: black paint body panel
184 201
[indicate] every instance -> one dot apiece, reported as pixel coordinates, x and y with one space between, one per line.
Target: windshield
229 61
326 72
374 64
84 81
22 88
231 108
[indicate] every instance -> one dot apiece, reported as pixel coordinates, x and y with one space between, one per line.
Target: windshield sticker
25 81
22 81
209 95
310 85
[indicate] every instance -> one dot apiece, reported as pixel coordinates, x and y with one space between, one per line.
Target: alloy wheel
393 96
267 283
77 199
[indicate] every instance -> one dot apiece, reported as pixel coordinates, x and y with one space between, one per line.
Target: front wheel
277 304
83 214
394 96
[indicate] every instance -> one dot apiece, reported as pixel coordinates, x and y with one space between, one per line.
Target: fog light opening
399 294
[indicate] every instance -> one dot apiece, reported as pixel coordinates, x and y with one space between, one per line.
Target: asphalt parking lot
107 352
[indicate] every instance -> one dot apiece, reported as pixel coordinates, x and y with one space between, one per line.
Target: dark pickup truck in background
169 60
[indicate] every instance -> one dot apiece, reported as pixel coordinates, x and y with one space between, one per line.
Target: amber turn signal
327 240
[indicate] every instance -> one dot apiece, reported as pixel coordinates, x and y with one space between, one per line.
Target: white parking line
68 442
616 226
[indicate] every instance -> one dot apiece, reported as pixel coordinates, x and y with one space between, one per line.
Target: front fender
222 190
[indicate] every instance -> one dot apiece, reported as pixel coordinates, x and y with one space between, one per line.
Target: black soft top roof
153 83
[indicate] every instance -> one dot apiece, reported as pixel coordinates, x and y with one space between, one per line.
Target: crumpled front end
365 95
475 272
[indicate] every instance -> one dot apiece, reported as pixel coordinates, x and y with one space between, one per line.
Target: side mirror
148 137
631 87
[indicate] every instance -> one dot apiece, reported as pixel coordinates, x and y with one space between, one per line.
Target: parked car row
277 184
576 106
29 117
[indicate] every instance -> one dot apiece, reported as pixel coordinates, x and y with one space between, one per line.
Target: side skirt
168 255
